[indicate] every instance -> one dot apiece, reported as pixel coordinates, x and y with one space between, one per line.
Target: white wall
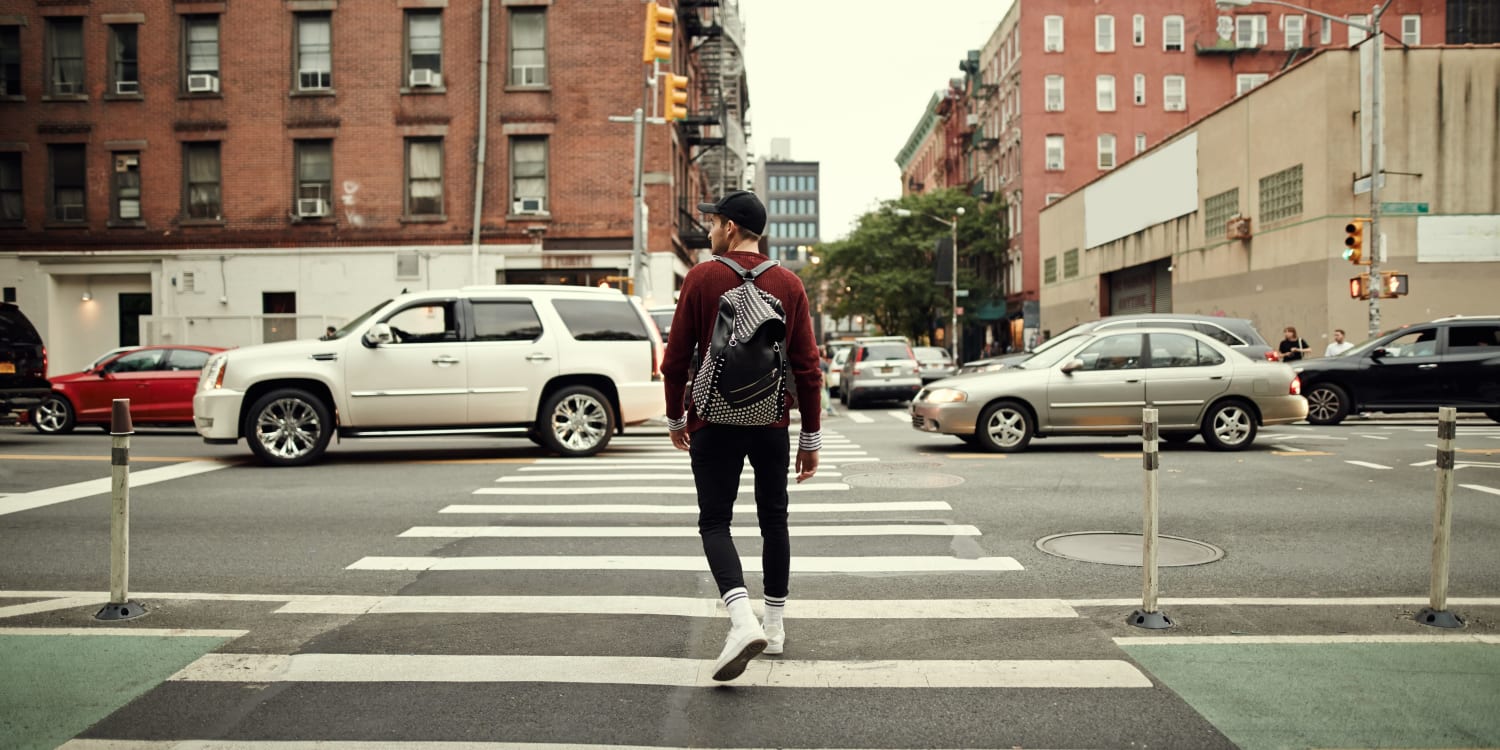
1155 188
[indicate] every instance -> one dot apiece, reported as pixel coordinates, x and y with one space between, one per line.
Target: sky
847 81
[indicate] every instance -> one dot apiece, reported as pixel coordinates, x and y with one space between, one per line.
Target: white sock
775 606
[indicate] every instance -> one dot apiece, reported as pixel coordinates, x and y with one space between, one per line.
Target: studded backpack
742 380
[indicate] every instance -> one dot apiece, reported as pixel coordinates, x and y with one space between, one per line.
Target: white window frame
1058 164
1140 143
1294 31
1411 30
1249 31
1244 83
1325 34
313 76
1104 93
1167 100
1356 34
1140 89
1106 159
1104 33
1052 34
1138 30
1054 197
1166 33
1048 88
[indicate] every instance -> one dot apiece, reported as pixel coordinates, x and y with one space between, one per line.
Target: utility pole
1377 157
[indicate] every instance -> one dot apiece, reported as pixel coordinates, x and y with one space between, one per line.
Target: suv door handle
538 357
445 360
1426 367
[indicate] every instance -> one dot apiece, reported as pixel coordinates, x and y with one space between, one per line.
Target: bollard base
1149 620
1440 618
126 611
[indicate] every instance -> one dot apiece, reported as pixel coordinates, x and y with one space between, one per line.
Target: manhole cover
903 480
875 467
1116 548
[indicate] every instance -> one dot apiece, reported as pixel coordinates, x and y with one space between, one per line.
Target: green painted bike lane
54 686
1341 695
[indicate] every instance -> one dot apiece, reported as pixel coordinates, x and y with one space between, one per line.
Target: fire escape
715 132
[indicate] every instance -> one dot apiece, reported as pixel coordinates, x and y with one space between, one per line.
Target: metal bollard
1437 615
1148 616
120 607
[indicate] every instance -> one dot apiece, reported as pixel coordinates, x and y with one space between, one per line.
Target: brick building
233 172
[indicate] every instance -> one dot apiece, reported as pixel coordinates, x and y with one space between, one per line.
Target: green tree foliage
884 269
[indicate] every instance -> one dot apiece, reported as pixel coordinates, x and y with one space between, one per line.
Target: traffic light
677 97
1359 286
660 21
1354 241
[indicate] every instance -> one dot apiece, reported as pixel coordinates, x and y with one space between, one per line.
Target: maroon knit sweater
693 323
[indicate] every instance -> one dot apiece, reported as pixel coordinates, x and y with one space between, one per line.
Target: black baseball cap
740 207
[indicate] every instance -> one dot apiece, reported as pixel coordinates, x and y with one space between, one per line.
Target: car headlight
213 373
944 396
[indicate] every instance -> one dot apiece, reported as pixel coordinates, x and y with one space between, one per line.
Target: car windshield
1366 346
1055 340
1044 358
930 352
878 352
353 324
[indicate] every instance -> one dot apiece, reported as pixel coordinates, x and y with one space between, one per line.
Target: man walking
1338 345
719 451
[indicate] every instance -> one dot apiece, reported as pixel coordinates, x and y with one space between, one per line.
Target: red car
158 380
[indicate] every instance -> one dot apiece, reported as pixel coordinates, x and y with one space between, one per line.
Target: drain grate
1118 548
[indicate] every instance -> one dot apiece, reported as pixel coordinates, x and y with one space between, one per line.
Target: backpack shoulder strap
739 270
760 269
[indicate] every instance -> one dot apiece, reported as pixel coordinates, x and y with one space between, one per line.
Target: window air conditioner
127 87
313 80
124 163
1052 47
70 212
312 207
426 77
528 206
1238 228
200 83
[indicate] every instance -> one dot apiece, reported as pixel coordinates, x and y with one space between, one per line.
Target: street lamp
953 279
1377 149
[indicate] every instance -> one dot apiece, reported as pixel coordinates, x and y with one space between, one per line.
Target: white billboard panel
1155 188
1458 239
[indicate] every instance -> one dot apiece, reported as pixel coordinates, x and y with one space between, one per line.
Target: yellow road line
1119 455
1300 453
979 456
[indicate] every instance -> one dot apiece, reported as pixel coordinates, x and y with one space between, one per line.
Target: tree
884 269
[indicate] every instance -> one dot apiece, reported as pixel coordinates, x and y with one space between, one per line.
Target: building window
1174 93
11 206
1292 30
202 194
201 64
1053 26
1106 151
1281 194
125 188
1104 93
69 177
1325 36
65 56
424 48
1356 34
1217 211
1054 87
1104 33
1140 88
1049 270
314 52
528 175
1054 153
1070 263
1053 198
1246 81
424 177
1249 32
528 47
1411 30
124 60
1138 30
1140 142
314 178
10 60
1171 33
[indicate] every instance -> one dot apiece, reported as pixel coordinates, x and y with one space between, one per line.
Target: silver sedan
1098 385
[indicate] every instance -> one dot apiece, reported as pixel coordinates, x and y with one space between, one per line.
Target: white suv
565 366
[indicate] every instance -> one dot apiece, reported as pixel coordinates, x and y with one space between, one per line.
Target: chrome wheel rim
1232 425
1322 403
579 422
288 428
1007 427
51 415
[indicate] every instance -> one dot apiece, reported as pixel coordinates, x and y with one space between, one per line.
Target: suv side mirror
379 334
1071 366
1378 353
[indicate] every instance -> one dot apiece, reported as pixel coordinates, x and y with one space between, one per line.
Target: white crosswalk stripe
906 506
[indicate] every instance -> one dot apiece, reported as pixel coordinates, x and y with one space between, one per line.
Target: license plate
885 371
7 367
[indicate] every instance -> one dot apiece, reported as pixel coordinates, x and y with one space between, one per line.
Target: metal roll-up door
1163 287
1131 291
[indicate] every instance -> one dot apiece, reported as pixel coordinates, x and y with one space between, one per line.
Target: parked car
564 366
1238 333
111 354
879 368
836 370
1098 382
934 363
158 380
23 364
1445 362
661 315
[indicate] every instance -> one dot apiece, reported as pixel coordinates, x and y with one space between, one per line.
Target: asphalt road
408 591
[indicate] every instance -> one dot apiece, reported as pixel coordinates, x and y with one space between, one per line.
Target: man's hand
681 441
807 465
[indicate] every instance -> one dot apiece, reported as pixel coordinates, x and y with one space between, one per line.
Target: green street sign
1403 207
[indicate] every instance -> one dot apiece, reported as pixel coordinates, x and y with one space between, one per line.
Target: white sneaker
775 639
740 647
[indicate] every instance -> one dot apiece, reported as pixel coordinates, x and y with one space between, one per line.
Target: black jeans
718 454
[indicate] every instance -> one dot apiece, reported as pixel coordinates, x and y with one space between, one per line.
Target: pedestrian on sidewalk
719 451
1338 345
1291 347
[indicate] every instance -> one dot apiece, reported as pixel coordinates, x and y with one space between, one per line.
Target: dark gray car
1238 333
23 364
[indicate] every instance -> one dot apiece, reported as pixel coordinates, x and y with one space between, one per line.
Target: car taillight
1272 355
1296 389
44 361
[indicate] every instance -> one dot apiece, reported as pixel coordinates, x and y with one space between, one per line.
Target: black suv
23 364
1420 367
1238 333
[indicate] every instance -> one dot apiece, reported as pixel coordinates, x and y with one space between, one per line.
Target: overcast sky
847 81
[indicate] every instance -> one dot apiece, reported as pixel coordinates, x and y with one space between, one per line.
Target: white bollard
120 607
1148 616
1437 614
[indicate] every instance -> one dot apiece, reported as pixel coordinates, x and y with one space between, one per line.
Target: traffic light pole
1377 155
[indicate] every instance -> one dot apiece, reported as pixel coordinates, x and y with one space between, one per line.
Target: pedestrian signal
1359 286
